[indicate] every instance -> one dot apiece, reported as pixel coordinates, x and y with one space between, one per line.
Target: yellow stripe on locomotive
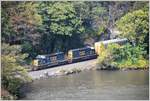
35 62
70 56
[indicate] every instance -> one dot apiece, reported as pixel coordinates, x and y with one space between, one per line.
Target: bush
126 56
6 95
103 55
13 73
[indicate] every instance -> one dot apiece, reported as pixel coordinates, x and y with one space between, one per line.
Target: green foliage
105 57
61 18
140 63
101 30
19 20
14 51
20 25
93 15
62 26
135 26
13 73
126 56
50 26
127 52
6 31
5 95
131 57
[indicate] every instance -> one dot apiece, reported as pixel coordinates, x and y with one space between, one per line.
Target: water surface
92 85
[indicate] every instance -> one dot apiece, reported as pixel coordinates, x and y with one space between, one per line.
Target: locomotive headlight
92 47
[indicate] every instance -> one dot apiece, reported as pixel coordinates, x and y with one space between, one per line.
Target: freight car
99 45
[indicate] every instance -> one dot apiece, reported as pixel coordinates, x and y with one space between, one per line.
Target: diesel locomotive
74 55
45 61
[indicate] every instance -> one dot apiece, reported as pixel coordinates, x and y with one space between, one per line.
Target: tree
20 19
60 24
47 27
135 26
13 73
94 16
6 11
20 25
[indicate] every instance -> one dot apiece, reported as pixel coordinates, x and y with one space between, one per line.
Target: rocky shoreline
62 72
76 68
112 67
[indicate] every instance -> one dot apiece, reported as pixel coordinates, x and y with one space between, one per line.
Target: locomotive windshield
40 57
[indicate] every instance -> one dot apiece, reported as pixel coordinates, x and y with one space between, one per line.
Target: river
92 85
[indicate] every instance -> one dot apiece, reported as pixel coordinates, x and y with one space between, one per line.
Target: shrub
6 95
126 56
13 73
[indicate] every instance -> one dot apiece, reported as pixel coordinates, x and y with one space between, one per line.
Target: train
72 56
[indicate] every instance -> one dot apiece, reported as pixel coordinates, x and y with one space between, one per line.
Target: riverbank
75 68
113 67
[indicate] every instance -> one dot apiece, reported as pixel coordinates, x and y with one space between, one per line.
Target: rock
124 69
41 76
46 74
50 74
71 72
66 73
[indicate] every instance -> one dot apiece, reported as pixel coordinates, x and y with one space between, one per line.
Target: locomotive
44 61
73 55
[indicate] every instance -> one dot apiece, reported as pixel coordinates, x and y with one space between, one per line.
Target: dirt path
80 65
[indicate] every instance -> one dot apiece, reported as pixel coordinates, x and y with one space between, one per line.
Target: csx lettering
82 53
53 58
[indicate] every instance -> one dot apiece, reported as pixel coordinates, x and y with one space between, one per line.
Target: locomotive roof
81 48
43 56
112 41
56 53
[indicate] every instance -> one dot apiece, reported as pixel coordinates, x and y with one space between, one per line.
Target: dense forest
45 27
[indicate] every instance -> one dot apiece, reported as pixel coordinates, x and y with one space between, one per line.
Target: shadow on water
92 85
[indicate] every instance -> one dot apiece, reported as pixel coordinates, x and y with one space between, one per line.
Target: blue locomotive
74 55
44 61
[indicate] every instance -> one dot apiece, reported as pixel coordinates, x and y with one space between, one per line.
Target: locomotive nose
35 62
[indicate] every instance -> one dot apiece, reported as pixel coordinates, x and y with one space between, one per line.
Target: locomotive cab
38 61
